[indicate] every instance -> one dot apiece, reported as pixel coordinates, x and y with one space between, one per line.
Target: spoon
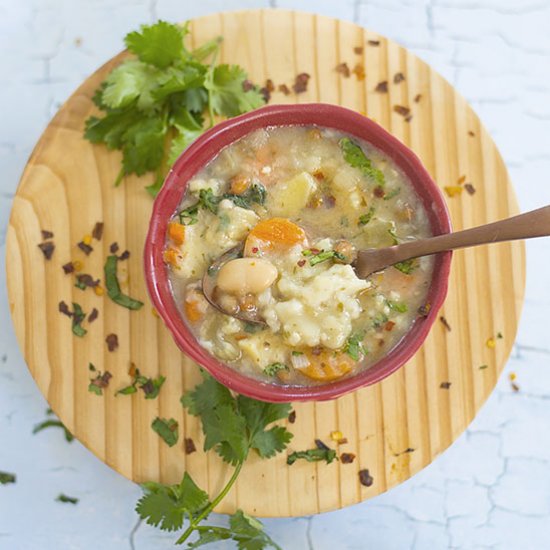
525 226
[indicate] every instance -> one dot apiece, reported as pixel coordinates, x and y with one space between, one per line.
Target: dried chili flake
424 310
99 383
301 263
247 85
93 315
125 255
189 446
379 192
68 268
401 110
320 445
330 201
47 249
365 478
85 280
470 188
64 308
389 326
408 118
471 134
461 180
112 342
343 69
292 417
406 451
284 89
483 367
300 83
97 231
445 385
359 71
514 386
417 98
347 458
358 50
266 94
499 335
46 234
382 87
398 77
86 248
373 42
270 85
445 323
113 248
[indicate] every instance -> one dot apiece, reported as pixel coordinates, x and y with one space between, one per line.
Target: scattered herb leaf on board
113 287
167 430
66 499
6 477
232 426
312 455
154 104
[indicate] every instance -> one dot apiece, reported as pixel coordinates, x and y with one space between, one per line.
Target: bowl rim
204 149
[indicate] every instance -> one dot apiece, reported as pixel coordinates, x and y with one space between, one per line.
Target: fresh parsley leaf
6 477
113 287
274 368
166 429
78 317
400 307
364 219
64 498
406 267
354 156
354 346
224 84
325 255
312 455
167 506
160 44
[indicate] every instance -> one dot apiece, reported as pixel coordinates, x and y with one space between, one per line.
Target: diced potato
288 198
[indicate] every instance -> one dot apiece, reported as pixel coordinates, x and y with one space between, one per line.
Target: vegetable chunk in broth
302 201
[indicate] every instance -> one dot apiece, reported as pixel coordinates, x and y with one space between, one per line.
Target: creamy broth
302 200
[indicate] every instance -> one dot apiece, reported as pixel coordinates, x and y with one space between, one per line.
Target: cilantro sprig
233 426
355 156
153 104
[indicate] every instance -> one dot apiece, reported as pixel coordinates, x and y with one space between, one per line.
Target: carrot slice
327 365
239 184
171 256
273 234
176 232
195 306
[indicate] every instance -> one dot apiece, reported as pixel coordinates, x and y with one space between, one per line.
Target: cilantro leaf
400 307
167 506
113 287
364 219
227 96
312 455
53 424
167 430
6 477
354 346
406 267
354 156
249 533
269 443
274 368
209 534
66 499
160 44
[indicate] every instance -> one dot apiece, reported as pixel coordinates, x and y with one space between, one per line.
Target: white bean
246 276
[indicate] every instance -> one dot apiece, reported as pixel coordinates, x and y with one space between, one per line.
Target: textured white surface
491 489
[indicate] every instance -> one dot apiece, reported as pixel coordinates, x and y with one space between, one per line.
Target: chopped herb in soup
300 201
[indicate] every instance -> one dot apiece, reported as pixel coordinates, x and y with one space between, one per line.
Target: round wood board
67 186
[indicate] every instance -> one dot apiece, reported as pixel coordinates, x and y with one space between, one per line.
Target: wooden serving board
67 186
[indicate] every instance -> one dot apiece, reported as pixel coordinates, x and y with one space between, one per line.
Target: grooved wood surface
67 187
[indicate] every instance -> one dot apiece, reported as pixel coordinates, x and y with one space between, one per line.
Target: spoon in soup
524 226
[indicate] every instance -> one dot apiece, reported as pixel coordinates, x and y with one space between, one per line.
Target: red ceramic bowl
204 149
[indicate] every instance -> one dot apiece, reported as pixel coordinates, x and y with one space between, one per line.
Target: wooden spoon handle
525 226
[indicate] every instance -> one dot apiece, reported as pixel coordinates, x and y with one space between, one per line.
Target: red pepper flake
87 280
46 234
86 248
359 71
365 478
93 315
314 251
125 255
284 89
445 385
379 192
68 268
266 94
112 342
255 250
417 98
445 323
347 458
425 309
471 134
64 308
401 110
247 85
373 42
399 77
189 446
113 248
301 263
292 417
47 249
470 188
342 441
343 69
382 87
389 326
300 83
101 381
320 445
358 50
97 232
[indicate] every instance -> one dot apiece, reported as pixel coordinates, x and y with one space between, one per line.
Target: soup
300 201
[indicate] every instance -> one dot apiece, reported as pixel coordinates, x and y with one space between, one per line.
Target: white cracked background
491 489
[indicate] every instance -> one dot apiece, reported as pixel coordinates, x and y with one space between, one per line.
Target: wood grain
68 185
